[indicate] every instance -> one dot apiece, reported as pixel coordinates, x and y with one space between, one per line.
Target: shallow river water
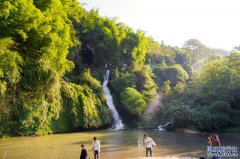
122 144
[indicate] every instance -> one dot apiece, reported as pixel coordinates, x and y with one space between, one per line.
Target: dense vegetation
52 57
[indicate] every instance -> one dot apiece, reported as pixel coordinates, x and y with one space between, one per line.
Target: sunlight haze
215 23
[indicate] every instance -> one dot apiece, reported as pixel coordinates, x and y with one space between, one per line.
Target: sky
216 23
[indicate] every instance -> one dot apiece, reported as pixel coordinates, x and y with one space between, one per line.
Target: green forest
53 54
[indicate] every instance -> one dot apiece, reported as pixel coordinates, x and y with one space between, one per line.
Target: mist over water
149 116
154 104
117 122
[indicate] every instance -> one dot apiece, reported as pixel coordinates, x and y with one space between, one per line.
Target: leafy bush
174 74
133 101
127 80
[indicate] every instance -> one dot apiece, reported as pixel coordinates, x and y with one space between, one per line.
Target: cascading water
117 122
162 127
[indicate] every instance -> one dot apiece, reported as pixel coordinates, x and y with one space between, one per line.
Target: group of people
148 142
213 140
95 148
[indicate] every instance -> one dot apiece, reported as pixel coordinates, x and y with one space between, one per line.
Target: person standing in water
148 142
213 140
96 147
84 152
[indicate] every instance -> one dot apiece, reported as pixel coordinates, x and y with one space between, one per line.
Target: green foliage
82 108
167 87
218 79
93 83
83 105
133 101
36 115
145 83
212 118
74 11
138 53
215 86
173 73
36 38
102 36
41 41
158 54
9 76
127 80
184 58
177 112
180 87
212 103
9 64
134 90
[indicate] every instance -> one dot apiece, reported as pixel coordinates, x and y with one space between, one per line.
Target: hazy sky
216 23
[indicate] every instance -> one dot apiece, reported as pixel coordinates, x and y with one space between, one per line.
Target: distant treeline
53 54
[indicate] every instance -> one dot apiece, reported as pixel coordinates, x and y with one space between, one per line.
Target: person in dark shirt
84 152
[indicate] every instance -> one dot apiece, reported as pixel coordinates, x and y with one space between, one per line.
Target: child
84 152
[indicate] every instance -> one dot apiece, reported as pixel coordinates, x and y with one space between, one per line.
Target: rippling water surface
114 145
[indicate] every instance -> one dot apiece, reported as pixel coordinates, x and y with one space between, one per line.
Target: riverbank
187 131
195 131
182 130
232 130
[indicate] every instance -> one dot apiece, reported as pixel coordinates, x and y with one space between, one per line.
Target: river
120 144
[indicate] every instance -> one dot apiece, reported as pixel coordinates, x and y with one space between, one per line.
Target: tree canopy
53 54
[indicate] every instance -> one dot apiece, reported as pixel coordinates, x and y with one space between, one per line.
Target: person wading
149 143
84 152
213 140
96 147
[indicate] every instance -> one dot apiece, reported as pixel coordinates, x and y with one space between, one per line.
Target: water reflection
115 145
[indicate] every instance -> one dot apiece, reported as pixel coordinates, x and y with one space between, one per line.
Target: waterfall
117 122
162 127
